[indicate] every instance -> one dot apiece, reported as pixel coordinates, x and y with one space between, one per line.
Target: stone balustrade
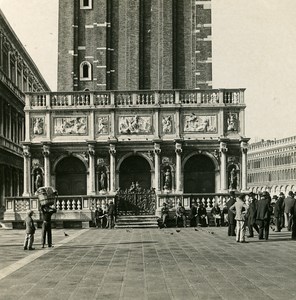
137 98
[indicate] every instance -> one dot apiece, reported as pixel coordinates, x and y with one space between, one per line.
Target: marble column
112 152
178 150
157 152
27 170
47 175
223 169
244 149
92 174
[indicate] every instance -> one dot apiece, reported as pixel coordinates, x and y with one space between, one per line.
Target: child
30 231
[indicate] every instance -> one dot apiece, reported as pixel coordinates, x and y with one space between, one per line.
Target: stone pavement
147 264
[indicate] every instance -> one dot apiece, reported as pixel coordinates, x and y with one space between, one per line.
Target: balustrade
140 98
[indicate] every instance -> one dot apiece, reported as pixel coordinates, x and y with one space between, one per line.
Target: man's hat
291 194
282 194
274 197
251 194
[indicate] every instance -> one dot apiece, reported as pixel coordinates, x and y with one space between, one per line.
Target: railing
63 203
136 98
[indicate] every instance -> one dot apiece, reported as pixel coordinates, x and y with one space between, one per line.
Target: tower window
86 4
85 71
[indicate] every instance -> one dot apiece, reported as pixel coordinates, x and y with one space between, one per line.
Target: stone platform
147 264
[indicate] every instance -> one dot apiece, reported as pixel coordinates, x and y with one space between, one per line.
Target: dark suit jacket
30 227
252 211
263 210
278 209
231 215
111 210
288 203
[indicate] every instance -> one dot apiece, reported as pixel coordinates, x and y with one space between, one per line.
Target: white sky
254 47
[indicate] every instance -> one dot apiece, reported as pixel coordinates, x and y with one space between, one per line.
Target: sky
254 47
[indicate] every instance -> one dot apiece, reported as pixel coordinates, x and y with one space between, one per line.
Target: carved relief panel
232 122
200 123
167 124
102 125
70 125
135 124
38 126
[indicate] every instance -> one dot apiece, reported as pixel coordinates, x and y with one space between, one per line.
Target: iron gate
137 202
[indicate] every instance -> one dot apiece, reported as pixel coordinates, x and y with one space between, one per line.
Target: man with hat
263 215
231 215
281 204
277 211
288 205
193 215
251 215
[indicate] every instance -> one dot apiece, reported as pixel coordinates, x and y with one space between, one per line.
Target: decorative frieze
200 123
70 125
135 124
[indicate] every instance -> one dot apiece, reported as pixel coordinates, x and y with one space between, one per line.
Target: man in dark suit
263 215
111 214
288 205
231 215
251 215
277 211
47 212
293 212
30 231
281 205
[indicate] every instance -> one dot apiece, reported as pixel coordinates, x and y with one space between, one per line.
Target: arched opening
199 175
134 169
71 177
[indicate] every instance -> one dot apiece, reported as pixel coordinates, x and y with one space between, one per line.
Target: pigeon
212 232
196 229
178 230
128 230
172 233
65 234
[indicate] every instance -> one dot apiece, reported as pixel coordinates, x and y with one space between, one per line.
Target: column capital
223 147
112 149
157 149
46 150
91 150
26 151
178 148
244 147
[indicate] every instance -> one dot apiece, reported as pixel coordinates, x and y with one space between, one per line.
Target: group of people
260 213
105 216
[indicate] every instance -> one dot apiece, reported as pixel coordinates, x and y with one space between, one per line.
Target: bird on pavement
178 230
66 234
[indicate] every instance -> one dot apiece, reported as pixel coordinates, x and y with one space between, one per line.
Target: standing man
164 214
193 215
288 205
251 215
30 231
180 214
239 208
111 214
277 213
231 215
47 212
281 204
293 211
263 215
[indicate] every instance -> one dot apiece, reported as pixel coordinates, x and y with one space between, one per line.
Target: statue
167 124
167 179
38 180
233 179
103 181
231 122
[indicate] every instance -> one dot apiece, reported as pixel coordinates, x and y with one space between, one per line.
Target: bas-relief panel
135 124
232 122
70 125
102 125
38 126
167 124
198 123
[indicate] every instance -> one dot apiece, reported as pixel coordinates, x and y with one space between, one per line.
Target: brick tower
134 45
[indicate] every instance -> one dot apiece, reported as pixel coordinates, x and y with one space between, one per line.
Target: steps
142 221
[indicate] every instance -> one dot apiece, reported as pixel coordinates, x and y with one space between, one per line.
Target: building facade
18 74
134 112
272 166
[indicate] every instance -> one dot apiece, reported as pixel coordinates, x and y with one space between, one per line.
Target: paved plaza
147 264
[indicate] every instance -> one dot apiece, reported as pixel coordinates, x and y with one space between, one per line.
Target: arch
199 174
135 169
80 157
211 156
135 154
71 176
85 71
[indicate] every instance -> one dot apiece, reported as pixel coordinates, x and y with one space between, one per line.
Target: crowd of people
261 212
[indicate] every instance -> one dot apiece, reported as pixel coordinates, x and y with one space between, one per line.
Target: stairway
141 221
